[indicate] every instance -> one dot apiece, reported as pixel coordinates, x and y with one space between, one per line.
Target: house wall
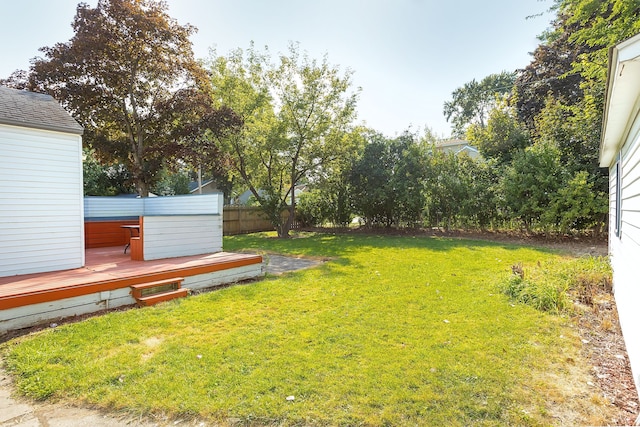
180 235
41 212
625 249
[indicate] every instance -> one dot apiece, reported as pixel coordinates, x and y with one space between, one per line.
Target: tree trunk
143 188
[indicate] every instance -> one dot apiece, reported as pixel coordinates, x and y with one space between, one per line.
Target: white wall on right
624 246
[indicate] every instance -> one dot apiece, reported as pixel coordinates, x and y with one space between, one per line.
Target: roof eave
622 93
65 129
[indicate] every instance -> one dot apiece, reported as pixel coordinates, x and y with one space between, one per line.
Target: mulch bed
605 349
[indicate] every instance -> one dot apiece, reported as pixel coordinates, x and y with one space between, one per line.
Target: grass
391 331
555 284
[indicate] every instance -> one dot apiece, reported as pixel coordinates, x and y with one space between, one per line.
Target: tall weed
551 286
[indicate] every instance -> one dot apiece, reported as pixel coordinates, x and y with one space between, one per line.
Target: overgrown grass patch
554 284
391 331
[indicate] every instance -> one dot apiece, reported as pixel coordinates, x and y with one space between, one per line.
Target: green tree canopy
126 59
295 115
471 103
501 137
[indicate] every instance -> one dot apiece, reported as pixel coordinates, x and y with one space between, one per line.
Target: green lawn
390 331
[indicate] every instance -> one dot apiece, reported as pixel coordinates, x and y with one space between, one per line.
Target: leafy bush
530 182
312 208
577 206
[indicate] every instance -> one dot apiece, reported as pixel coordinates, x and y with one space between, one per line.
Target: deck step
161 297
152 293
160 286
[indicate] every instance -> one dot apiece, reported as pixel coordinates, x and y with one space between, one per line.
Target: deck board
109 269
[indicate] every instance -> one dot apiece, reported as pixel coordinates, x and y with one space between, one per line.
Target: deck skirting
38 299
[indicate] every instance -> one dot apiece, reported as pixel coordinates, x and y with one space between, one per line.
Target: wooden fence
245 219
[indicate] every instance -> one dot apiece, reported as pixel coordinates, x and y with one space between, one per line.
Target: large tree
125 61
471 103
295 115
550 73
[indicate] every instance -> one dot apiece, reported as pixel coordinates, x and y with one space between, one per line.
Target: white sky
407 55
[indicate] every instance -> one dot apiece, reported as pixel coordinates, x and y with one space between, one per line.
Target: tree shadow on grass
327 245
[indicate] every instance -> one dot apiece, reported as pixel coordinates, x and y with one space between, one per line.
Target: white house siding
96 207
41 208
181 235
201 204
118 207
625 249
231 275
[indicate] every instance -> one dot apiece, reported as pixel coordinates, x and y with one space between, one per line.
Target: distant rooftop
452 142
35 110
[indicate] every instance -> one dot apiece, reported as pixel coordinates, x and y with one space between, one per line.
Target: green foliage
501 137
386 183
530 182
407 180
115 84
392 331
576 206
101 180
543 295
472 102
479 209
459 191
370 182
550 286
313 208
171 184
295 115
445 188
599 25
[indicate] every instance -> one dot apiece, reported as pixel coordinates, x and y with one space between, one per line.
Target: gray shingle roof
35 110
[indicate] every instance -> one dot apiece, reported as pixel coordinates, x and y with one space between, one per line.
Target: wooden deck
109 269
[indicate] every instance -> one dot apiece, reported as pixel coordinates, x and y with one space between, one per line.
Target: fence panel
246 219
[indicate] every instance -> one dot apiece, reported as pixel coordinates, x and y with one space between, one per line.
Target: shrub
311 208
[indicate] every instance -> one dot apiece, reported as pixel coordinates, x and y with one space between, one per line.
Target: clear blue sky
407 55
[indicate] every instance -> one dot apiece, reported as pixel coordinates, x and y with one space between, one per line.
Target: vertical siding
625 249
181 235
41 212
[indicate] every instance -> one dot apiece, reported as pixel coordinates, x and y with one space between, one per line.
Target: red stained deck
108 269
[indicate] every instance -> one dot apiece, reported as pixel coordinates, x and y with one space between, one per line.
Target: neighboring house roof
457 146
35 110
452 143
193 185
621 96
